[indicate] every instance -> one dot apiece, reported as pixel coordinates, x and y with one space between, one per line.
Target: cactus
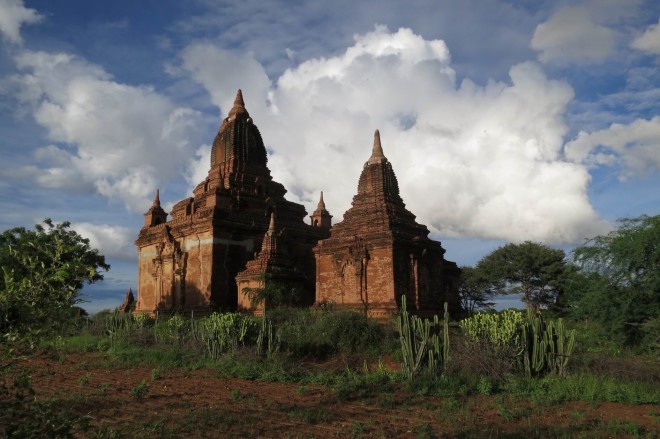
421 343
547 347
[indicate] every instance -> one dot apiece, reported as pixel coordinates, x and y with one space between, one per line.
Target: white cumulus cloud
118 139
472 160
649 41
636 146
13 15
113 242
573 35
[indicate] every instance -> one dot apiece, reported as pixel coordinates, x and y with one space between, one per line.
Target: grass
343 352
319 336
584 387
306 414
140 390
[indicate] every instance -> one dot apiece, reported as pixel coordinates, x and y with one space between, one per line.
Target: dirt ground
143 402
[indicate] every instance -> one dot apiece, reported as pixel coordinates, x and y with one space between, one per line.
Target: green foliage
304 332
22 416
118 324
547 346
536 271
267 342
309 415
421 342
618 284
42 272
501 329
142 319
275 293
544 347
222 333
583 387
156 373
485 386
140 390
475 289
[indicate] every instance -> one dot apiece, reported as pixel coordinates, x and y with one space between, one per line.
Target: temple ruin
238 233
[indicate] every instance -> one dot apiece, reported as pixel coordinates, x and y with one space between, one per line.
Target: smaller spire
377 152
321 217
157 199
321 204
238 110
155 215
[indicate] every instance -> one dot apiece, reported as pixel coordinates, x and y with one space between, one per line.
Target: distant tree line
612 280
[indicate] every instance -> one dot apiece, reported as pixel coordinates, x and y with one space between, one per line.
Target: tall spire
157 199
238 139
238 110
377 152
377 174
321 204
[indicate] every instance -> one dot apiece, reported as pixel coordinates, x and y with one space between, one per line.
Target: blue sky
504 121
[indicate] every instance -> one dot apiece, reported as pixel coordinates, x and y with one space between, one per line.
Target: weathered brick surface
238 231
190 263
379 252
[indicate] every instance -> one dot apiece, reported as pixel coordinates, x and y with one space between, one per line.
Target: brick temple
238 233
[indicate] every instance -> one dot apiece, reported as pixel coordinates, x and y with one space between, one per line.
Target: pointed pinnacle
239 106
238 101
321 204
377 151
157 198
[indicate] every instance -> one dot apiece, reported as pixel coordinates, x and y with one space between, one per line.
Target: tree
534 270
42 272
618 283
475 289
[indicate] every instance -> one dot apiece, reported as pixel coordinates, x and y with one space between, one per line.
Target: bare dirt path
143 402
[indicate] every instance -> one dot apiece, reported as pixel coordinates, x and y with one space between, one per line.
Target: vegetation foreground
321 374
581 362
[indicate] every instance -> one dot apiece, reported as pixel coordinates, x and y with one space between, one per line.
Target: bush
41 274
472 360
321 334
500 329
221 333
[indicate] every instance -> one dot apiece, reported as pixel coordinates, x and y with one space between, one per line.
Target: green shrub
501 329
140 390
306 333
583 387
221 333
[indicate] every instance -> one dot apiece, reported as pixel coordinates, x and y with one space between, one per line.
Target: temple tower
191 262
155 215
321 217
379 252
272 267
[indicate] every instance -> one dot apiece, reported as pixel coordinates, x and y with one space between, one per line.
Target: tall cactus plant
547 346
421 343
